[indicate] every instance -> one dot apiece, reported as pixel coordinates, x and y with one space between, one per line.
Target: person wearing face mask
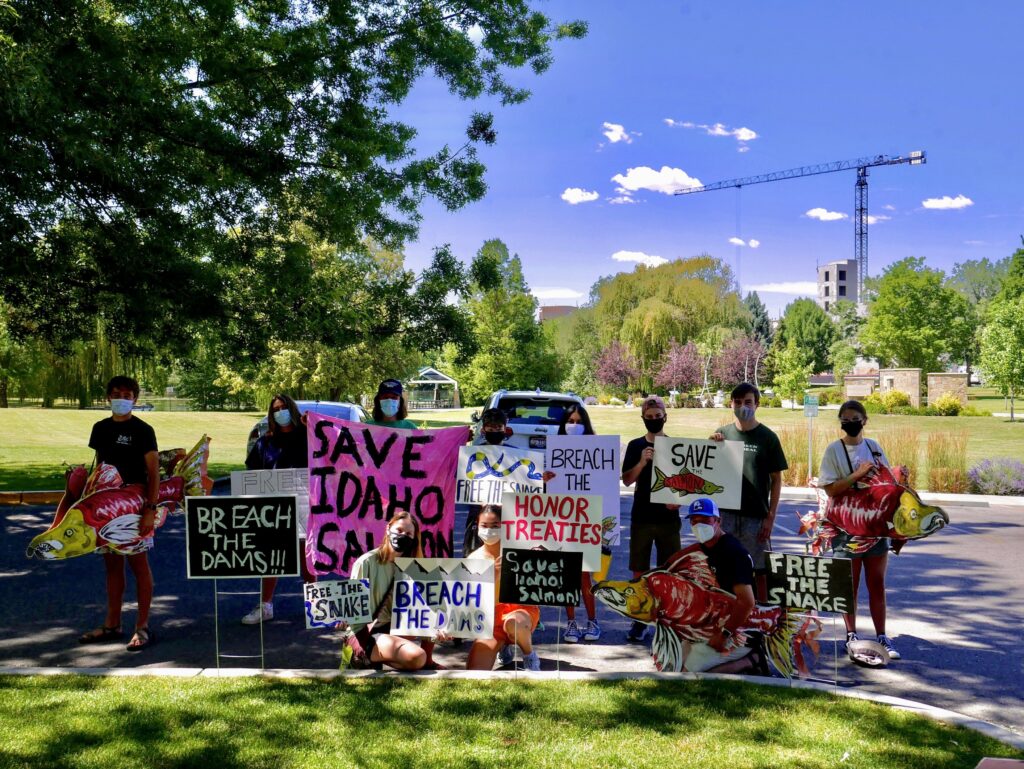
763 464
492 427
282 446
129 444
401 540
389 409
652 524
734 572
847 462
513 623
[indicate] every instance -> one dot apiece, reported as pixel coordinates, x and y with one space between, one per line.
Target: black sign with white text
236 537
540 577
808 582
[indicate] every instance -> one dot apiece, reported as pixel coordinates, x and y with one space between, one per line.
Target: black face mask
654 425
402 543
494 438
852 427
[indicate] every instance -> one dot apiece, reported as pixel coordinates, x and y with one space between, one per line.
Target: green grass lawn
71 721
36 443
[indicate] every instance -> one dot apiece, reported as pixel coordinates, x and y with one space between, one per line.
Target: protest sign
806 582
587 464
361 475
487 472
453 595
570 522
331 602
293 480
540 577
235 537
685 469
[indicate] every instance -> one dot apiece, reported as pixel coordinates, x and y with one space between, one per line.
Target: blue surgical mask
283 417
743 413
389 407
574 429
121 406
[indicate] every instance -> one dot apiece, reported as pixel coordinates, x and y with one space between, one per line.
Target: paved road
955 605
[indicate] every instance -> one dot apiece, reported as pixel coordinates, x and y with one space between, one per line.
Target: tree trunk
3 392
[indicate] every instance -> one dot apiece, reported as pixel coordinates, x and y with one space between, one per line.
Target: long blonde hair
386 553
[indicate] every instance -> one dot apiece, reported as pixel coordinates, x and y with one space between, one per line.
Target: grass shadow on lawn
86 722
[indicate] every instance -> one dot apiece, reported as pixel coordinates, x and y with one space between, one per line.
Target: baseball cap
390 387
704 506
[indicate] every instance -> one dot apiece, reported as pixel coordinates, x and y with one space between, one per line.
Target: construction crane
860 217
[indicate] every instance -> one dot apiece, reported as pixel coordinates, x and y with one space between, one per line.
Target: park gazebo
428 390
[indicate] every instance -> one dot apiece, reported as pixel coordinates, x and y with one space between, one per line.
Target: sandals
145 636
101 635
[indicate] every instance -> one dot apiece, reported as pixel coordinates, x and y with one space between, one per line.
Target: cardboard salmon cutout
107 514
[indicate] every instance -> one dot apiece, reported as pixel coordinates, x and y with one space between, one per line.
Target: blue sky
750 88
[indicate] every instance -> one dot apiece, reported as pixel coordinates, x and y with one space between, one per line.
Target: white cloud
666 181
639 256
557 293
795 288
824 215
738 241
617 133
574 196
975 242
889 207
753 243
622 200
877 219
946 202
741 134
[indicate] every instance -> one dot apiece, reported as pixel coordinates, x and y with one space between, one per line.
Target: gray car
349 411
532 415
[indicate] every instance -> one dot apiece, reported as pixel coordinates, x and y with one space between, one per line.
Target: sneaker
531 661
506 655
262 613
571 634
886 642
636 633
592 632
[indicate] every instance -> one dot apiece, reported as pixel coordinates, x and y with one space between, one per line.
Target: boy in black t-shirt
128 443
652 524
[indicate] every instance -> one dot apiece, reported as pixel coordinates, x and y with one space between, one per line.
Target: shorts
745 529
643 537
841 547
501 612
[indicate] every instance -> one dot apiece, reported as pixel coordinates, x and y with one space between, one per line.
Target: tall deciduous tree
741 360
1002 348
616 368
682 367
154 150
806 324
794 372
979 280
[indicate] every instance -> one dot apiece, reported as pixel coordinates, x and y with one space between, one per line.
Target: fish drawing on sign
684 482
106 516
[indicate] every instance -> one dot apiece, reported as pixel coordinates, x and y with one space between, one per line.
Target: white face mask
489 536
574 429
121 406
283 417
388 407
703 532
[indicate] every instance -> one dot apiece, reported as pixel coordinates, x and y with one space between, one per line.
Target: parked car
532 415
349 411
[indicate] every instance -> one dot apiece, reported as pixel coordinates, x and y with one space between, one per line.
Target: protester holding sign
389 408
493 428
371 644
513 623
652 524
846 462
283 446
763 463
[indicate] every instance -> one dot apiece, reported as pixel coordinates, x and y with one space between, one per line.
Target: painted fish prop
107 514
684 482
880 507
683 602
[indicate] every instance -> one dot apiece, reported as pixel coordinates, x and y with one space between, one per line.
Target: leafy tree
1013 282
577 346
794 372
979 280
760 323
682 367
916 320
156 154
806 324
1002 348
739 361
616 368
846 320
844 358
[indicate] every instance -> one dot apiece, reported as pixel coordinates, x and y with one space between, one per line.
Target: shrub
774 402
947 462
893 399
613 401
873 404
974 411
947 405
603 400
832 395
1004 477
590 400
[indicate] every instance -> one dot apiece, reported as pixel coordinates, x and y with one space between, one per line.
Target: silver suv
532 415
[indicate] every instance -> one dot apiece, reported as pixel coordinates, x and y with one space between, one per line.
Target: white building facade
837 281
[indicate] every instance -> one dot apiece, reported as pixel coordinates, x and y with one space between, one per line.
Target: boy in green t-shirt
763 463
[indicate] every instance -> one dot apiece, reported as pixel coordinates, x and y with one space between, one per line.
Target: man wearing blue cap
734 572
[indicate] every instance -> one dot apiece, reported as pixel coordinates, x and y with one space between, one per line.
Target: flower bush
1004 477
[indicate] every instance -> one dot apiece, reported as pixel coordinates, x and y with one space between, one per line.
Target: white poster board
454 595
485 473
685 469
263 483
569 522
588 464
331 602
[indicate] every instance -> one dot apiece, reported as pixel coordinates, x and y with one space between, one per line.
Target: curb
999 733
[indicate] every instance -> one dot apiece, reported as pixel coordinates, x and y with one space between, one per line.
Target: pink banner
360 475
